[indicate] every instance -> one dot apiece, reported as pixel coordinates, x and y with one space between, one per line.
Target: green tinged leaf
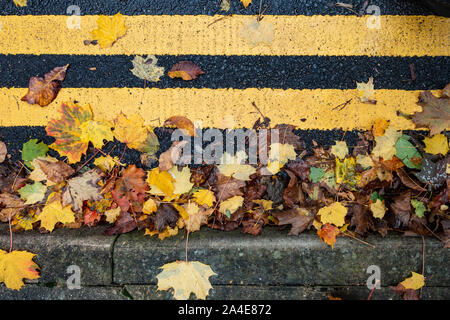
420 207
33 193
32 150
316 174
375 195
406 151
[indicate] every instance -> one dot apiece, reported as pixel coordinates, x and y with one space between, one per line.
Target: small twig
342 105
87 161
17 175
346 6
362 241
186 246
220 19
423 261
10 234
123 153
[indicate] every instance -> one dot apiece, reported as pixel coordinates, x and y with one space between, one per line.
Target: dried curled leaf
185 70
186 278
42 91
16 266
109 30
299 218
181 123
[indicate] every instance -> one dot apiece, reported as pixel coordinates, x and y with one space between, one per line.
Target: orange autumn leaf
130 187
16 266
379 127
42 91
246 3
182 123
75 129
185 70
328 234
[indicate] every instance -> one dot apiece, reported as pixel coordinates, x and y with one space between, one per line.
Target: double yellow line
218 35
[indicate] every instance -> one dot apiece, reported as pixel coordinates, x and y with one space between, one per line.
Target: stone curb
277 259
56 251
271 266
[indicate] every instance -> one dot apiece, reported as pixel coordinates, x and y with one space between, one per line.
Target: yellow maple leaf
109 30
265 204
232 166
365 90
53 212
112 214
378 209
150 206
25 221
107 163
282 152
436 144
16 266
231 205
204 197
385 144
20 3
246 3
160 182
415 282
96 132
197 216
365 161
130 130
340 149
182 178
274 166
379 127
333 214
186 278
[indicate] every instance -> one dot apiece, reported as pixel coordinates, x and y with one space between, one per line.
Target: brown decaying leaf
408 181
185 70
402 209
166 215
124 223
361 219
406 294
292 191
228 187
56 172
12 205
130 188
43 91
297 217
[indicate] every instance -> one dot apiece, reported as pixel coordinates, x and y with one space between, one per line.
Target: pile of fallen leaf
387 181
390 181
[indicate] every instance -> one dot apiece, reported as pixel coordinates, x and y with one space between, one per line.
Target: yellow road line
205 35
306 109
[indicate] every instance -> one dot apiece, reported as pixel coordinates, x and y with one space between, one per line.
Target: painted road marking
306 109
293 35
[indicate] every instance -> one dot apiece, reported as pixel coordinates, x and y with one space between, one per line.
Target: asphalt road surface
318 54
